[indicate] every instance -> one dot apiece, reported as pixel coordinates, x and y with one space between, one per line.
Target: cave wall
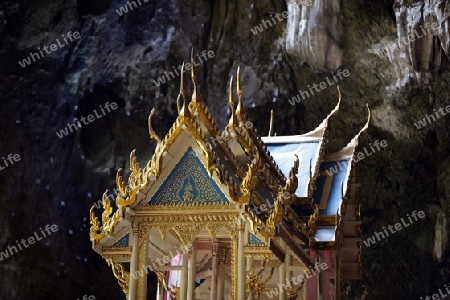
120 58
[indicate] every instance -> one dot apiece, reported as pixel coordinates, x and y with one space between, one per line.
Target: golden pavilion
232 215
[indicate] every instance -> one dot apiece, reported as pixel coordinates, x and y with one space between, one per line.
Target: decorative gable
189 183
254 240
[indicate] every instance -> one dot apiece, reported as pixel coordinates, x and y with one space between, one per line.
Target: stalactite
422 30
314 31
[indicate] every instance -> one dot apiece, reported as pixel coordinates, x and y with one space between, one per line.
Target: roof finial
184 110
354 141
182 90
368 120
240 111
271 123
336 109
233 120
152 132
194 93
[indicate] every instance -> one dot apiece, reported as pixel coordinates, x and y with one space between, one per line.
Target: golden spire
194 93
271 123
232 123
230 93
182 90
183 111
240 111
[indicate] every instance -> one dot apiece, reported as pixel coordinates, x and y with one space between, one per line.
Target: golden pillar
241 278
282 281
251 296
184 277
132 292
221 277
215 266
192 272
142 280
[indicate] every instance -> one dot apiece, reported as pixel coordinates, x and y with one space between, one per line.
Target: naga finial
182 92
232 123
271 123
368 118
183 109
194 92
152 132
240 111
292 183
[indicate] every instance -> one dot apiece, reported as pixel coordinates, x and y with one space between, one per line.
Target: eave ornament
123 277
108 224
284 200
309 229
253 279
173 292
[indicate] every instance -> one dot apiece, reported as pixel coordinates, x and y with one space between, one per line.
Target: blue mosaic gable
189 183
123 242
253 240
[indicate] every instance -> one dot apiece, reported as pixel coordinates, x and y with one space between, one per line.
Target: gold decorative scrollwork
213 163
252 277
256 225
151 131
108 222
292 183
188 232
173 292
276 216
95 227
291 293
309 229
107 208
119 272
140 178
254 282
250 180
284 200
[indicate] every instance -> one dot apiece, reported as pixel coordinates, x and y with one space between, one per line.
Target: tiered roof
242 171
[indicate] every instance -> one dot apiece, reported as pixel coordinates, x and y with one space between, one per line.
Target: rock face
131 58
440 236
422 39
314 33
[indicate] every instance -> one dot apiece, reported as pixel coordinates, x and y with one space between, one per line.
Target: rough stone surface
314 32
120 58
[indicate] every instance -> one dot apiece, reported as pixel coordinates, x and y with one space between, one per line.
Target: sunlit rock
422 33
314 32
440 236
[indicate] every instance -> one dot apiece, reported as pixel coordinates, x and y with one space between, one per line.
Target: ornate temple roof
198 167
